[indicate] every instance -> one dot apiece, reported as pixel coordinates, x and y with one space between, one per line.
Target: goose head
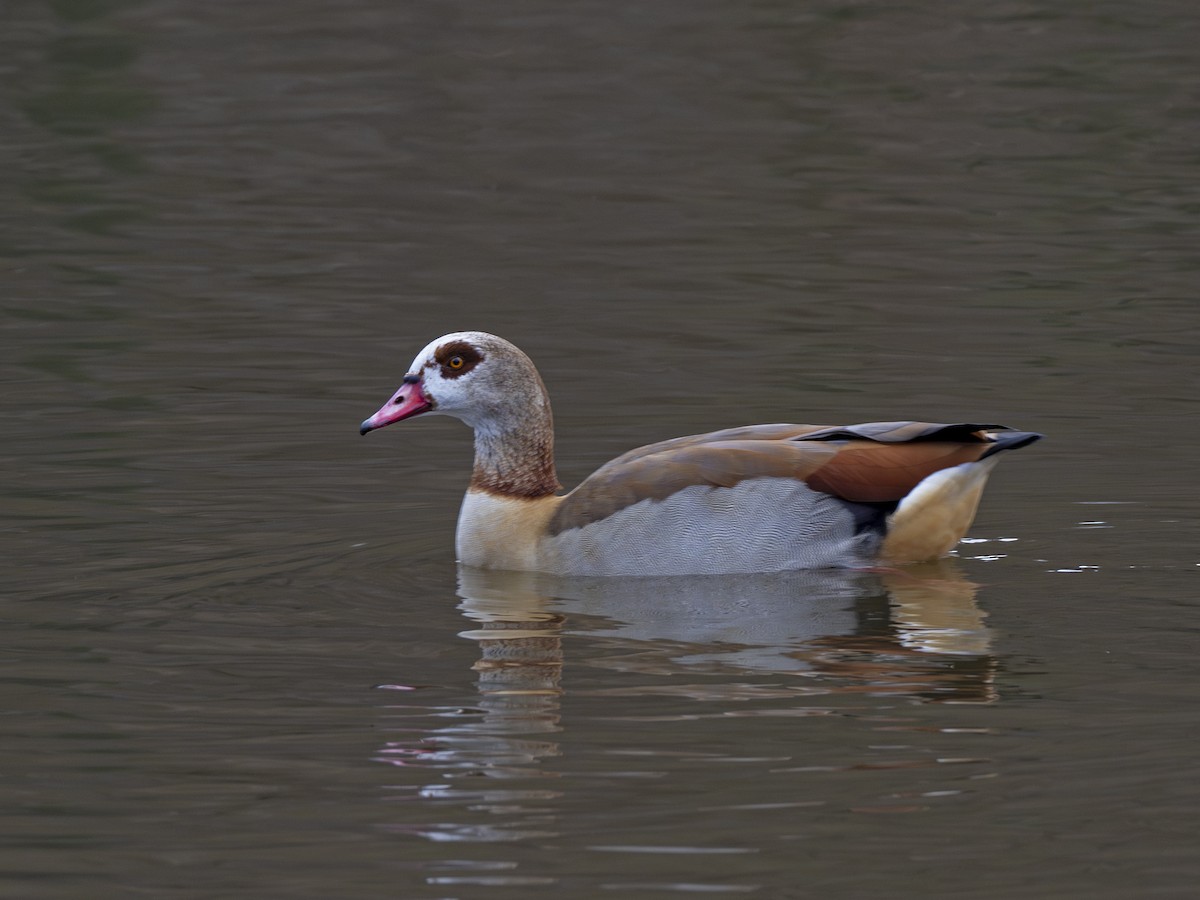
478 378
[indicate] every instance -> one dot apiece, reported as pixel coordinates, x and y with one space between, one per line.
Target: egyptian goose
760 498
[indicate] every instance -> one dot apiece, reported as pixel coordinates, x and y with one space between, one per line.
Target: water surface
239 659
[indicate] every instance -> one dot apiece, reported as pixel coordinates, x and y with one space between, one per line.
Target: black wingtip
1011 440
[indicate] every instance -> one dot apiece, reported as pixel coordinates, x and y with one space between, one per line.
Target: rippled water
238 659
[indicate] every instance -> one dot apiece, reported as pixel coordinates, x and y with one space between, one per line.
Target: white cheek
450 395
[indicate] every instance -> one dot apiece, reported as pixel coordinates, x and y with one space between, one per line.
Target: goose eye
456 362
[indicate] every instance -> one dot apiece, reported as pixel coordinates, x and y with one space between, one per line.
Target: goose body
759 498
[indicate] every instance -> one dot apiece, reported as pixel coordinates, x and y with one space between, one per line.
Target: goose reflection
827 638
916 631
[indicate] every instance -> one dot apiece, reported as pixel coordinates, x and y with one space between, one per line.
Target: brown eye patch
457 358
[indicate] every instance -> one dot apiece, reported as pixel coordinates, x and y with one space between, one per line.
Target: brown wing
897 456
876 462
866 472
